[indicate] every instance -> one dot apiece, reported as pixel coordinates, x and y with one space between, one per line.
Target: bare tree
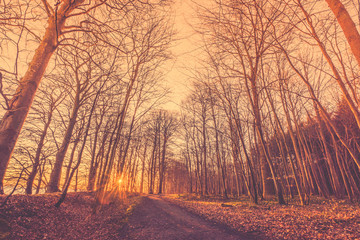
64 18
19 104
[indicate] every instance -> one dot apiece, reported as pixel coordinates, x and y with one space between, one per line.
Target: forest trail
155 218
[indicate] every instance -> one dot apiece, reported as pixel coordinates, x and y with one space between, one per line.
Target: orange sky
184 50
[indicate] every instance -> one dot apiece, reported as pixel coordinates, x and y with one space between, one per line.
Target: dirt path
155 218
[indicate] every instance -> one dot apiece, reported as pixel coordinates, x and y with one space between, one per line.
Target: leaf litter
36 217
322 219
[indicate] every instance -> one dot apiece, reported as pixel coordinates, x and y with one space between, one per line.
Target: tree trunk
36 164
162 166
55 176
68 169
204 152
152 165
94 164
348 26
143 168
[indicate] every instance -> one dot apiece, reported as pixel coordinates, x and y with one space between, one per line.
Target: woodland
271 114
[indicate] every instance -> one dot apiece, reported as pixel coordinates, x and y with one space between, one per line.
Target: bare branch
49 10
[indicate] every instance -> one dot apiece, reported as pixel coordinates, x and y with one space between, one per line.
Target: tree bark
348 26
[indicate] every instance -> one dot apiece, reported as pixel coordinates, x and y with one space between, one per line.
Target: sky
184 50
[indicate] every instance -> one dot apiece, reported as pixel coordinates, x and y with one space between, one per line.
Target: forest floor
134 217
174 217
321 219
36 217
